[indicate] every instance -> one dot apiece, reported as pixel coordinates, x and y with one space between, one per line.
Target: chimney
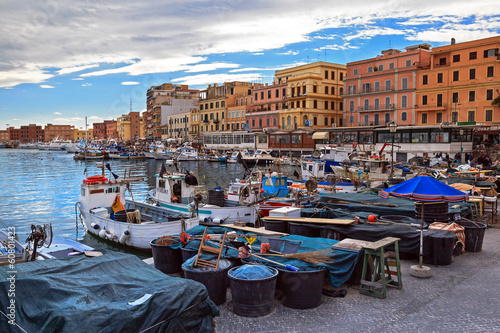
453 41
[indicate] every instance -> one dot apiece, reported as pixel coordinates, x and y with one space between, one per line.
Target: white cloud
205 79
130 83
73 69
345 46
46 86
58 113
374 31
78 79
289 52
86 84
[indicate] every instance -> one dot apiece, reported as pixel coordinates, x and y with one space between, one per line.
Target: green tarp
83 294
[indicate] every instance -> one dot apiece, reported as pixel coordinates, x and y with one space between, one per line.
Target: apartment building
314 95
383 89
79 134
128 126
63 132
460 84
268 100
24 134
223 107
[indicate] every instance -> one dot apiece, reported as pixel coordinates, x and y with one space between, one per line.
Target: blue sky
63 61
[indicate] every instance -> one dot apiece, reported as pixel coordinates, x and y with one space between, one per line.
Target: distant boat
260 157
130 227
55 145
30 145
3 144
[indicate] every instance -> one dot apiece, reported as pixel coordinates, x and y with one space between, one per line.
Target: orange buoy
372 218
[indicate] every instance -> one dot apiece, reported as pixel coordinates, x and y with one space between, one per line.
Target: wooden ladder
209 249
377 258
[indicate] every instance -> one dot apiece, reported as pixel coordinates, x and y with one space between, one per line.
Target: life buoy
94 179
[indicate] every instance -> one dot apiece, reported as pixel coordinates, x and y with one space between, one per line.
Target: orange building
460 84
268 100
382 89
63 132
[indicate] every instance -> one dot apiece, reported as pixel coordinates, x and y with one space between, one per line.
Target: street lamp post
392 129
461 148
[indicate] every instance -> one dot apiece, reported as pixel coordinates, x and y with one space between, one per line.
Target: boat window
83 192
310 168
161 183
117 189
321 167
277 182
109 190
267 182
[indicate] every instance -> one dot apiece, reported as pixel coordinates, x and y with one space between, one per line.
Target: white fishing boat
29 145
55 145
233 158
176 192
259 157
187 154
102 205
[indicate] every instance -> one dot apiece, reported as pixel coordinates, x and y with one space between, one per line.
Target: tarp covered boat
115 292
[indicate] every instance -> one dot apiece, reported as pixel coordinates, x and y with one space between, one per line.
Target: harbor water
41 187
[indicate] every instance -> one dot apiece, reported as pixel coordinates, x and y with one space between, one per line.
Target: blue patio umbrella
424 189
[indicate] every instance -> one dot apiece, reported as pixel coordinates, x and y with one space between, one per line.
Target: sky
62 61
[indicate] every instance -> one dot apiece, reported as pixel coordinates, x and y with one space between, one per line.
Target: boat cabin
275 185
312 169
173 188
98 191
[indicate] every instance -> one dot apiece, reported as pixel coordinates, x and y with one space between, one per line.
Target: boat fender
94 225
103 232
218 220
112 236
124 237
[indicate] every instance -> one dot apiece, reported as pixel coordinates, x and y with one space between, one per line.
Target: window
454 117
216 105
366 87
489 72
355 71
439 99
269 94
489 94
404 101
326 105
439 118
424 118
388 85
351 106
387 102
304 90
456 58
442 61
367 120
201 107
253 123
472 96
326 90
326 74
380 67
376 119
370 69
315 104
471 116
314 89
341 76
472 74
303 103
455 75
425 79
455 97
260 122
473 55
440 78
489 115
351 119
261 96
391 65
333 90
333 76
490 53
376 104
408 63
387 117
326 121
366 104
377 86
424 100
404 83
404 116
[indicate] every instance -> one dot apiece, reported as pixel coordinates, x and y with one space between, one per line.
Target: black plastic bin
253 298
303 230
278 226
438 247
166 259
474 235
302 289
188 253
215 280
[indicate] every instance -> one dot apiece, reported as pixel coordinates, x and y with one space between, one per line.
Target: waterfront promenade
461 297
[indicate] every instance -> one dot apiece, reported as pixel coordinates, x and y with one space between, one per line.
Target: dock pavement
461 297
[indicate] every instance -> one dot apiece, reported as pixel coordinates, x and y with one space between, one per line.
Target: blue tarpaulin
339 267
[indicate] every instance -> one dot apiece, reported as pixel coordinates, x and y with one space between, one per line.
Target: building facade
62 132
24 134
314 95
268 101
82 135
383 89
460 83
128 126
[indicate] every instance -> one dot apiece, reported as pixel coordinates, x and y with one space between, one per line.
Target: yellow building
315 95
79 135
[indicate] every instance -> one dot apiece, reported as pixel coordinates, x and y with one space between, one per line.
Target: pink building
383 89
268 100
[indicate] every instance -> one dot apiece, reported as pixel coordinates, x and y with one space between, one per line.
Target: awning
321 136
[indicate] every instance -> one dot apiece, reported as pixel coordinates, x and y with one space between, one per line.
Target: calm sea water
39 187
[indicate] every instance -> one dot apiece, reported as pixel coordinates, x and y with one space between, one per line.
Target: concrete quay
461 297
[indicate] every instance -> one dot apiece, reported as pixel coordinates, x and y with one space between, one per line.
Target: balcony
370 90
216 121
432 107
